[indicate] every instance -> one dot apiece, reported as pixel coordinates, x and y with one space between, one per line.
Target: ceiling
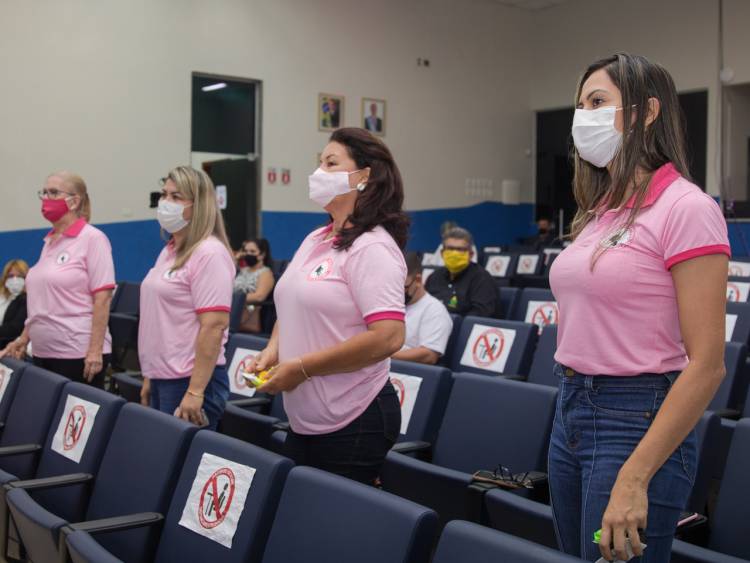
531 5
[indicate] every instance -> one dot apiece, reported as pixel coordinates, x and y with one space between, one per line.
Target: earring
361 186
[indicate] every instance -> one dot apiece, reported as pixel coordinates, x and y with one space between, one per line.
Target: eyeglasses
521 479
52 193
457 248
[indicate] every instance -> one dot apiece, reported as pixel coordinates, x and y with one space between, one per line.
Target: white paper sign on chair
217 499
737 291
731 322
488 348
240 361
542 314
527 264
497 266
76 424
407 388
5 374
739 269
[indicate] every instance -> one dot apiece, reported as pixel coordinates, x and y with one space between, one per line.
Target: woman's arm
207 348
420 354
700 285
264 289
379 342
92 364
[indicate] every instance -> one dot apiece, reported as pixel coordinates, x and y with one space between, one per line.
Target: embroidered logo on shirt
321 271
63 258
620 237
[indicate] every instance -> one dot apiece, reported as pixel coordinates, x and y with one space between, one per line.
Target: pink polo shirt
171 301
324 298
60 290
621 319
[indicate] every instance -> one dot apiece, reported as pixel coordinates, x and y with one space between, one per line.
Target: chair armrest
116 523
282 425
411 447
732 414
20 449
683 552
251 402
514 377
51 482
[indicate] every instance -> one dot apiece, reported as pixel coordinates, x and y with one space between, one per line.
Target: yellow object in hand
257 379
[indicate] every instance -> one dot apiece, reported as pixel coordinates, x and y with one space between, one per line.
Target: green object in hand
597 536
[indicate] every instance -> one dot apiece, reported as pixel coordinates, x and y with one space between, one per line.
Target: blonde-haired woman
12 300
185 303
70 288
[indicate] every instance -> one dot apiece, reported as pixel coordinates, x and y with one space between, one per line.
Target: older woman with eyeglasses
69 289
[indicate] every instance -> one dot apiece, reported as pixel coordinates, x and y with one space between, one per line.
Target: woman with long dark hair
341 311
641 292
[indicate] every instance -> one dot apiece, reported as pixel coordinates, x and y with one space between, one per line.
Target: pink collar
664 176
74 230
325 231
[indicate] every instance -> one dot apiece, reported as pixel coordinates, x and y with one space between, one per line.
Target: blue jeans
167 394
598 423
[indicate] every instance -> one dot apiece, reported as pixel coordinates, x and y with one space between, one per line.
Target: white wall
103 88
737 133
680 34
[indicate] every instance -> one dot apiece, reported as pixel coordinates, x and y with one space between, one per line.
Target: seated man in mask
464 287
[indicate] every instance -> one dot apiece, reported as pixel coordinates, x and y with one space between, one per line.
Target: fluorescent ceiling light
217 86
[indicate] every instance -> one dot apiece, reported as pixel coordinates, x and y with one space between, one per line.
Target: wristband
304 371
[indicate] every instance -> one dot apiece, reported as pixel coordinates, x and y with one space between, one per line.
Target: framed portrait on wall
373 115
330 112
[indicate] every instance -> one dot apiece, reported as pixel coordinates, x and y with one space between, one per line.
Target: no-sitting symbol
216 498
488 347
74 427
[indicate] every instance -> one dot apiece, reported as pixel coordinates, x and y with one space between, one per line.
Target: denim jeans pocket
630 402
689 456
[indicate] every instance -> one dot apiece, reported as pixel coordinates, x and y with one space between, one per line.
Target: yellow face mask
456 260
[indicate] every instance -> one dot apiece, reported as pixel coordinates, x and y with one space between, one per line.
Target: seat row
91 478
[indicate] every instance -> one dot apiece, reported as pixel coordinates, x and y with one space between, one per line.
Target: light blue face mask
594 134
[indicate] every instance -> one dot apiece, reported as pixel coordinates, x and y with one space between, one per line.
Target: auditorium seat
494 347
488 422
738 322
447 358
128 385
501 265
242 421
728 523
519 516
138 473
76 438
734 387
463 542
324 517
529 264
8 384
198 527
127 298
235 313
537 306
508 297
543 364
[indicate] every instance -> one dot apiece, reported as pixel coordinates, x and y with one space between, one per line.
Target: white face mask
169 214
595 136
324 186
15 285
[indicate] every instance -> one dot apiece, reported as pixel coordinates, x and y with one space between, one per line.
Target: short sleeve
376 275
694 227
99 265
436 328
211 275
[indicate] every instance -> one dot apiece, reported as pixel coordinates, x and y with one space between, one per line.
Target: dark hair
265 248
413 263
382 200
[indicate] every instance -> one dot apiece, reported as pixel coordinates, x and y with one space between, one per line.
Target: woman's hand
626 513
268 358
284 377
146 392
16 349
190 410
92 364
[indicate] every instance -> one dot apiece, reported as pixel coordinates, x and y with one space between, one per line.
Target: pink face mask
54 209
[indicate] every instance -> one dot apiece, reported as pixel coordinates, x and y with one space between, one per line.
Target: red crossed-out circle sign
216 498
526 264
735 271
733 292
400 389
498 265
544 315
74 427
488 347
238 379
